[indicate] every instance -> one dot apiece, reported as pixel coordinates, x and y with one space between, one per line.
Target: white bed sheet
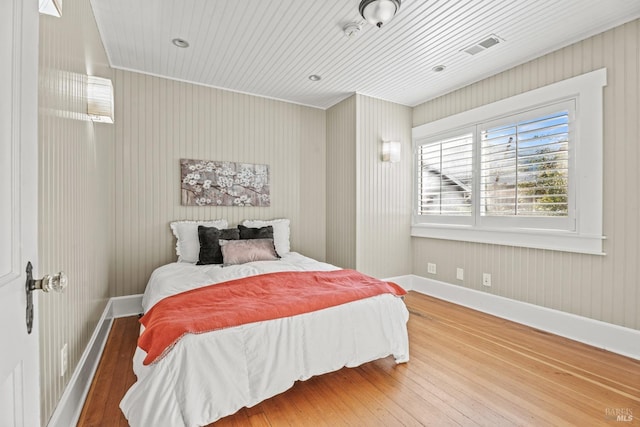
208 376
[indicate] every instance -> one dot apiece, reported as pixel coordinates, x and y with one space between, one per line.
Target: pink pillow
241 251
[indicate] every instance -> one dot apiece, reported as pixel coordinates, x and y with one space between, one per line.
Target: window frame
586 154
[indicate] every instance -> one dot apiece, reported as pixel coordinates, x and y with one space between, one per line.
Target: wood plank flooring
467 368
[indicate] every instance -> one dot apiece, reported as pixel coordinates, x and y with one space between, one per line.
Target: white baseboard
68 410
614 338
130 305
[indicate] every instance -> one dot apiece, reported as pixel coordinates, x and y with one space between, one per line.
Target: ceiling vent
483 45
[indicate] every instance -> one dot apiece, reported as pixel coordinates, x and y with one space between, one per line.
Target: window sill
538 239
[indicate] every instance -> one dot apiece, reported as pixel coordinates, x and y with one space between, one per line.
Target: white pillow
280 232
186 232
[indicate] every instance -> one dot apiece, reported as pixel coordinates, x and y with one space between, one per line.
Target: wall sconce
100 99
391 151
50 7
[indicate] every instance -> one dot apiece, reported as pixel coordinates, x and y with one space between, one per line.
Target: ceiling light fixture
439 68
378 12
182 43
315 78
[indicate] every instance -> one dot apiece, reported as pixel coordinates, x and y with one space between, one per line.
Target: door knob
57 282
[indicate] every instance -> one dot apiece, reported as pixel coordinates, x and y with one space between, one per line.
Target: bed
202 377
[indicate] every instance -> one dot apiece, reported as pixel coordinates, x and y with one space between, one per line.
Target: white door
19 360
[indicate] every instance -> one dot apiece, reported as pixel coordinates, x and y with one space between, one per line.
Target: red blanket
252 299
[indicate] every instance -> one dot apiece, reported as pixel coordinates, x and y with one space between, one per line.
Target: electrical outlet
64 359
460 273
486 279
431 268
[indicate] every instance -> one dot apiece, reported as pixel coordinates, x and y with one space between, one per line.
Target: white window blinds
525 167
446 175
510 172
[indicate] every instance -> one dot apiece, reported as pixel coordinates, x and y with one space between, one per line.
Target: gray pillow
255 233
210 252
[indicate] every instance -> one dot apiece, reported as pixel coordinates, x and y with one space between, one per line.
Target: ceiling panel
270 47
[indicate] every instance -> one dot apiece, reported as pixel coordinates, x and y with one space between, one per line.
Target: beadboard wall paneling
600 287
383 198
160 121
74 154
341 183
313 166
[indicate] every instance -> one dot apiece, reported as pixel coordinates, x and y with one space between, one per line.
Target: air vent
483 45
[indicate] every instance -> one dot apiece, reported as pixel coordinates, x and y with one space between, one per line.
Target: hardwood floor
467 368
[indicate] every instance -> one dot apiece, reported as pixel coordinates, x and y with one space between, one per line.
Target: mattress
214 374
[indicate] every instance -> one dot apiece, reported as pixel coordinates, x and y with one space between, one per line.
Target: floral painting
213 183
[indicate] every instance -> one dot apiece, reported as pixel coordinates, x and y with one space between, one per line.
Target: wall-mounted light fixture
391 151
100 99
50 7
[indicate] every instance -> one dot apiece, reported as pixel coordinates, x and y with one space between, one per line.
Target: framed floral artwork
215 183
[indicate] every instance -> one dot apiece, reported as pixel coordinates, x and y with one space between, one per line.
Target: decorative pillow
241 251
186 232
210 252
280 232
255 233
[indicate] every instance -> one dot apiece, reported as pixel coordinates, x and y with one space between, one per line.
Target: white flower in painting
206 184
226 170
191 178
192 167
245 177
260 180
225 182
264 197
219 202
243 200
203 201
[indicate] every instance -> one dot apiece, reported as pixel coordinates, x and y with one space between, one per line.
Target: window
506 173
445 182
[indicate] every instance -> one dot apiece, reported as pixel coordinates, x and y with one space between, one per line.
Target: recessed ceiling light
315 78
180 43
439 68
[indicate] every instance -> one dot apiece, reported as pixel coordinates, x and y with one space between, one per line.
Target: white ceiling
270 47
